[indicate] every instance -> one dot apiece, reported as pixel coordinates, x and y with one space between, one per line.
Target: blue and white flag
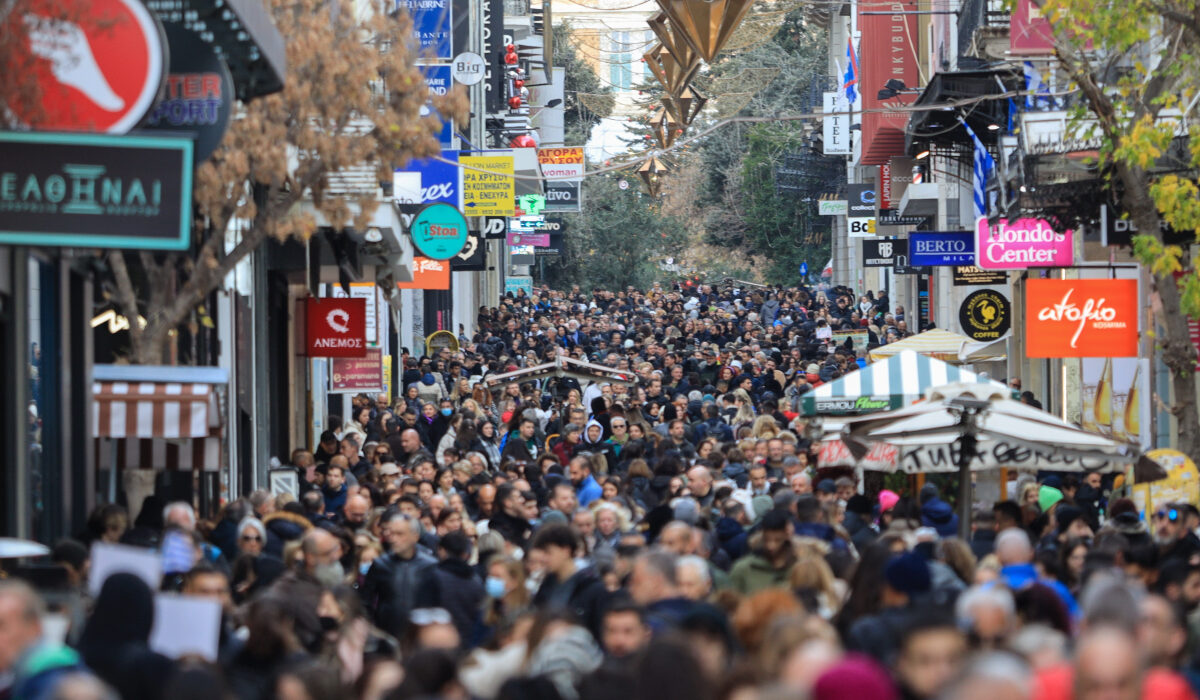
984 165
1035 88
850 79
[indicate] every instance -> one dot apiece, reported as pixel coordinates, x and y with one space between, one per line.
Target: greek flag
850 79
1035 87
984 165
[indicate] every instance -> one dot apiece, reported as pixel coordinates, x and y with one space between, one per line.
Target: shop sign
533 239
557 243
336 327
354 375
1022 244
1119 230
199 92
439 231
473 256
432 21
469 68
100 63
494 227
1081 318
941 249
862 404
491 192
893 217
439 80
985 315
860 201
95 190
882 252
971 276
428 274
440 340
832 207
860 227
561 162
564 195
438 181
835 123
512 285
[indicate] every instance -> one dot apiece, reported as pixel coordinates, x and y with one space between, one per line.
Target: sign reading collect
1021 244
1081 318
337 327
439 231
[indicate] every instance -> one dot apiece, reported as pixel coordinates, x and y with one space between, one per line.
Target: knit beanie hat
1047 497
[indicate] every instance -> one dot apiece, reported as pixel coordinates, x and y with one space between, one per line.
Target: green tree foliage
579 118
618 239
1136 66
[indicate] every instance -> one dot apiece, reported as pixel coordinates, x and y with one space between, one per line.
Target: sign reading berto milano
95 191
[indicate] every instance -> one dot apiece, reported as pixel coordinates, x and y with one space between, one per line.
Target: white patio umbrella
960 428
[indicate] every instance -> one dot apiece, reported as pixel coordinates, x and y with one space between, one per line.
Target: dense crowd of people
665 532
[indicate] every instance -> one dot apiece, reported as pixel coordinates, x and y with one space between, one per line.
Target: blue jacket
1018 576
938 515
589 491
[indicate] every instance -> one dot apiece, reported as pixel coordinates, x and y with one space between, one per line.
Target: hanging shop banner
473 256
366 292
835 123
354 375
888 50
336 327
434 181
564 195
439 79
432 26
512 285
489 193
533 239
1119 230
494 228
941 249
882 252
971 276
985 315
1021 244
99 64
562 162
95 190
1113 395
1081 318
439 231
521 255
493 53
199 92
860 201
428 274
556 247
831 207
860 227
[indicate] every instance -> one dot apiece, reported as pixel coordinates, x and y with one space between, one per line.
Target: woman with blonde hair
812 581
765 427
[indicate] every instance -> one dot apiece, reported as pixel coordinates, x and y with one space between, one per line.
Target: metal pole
966 453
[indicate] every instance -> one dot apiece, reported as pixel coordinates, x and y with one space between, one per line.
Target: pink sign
535 239
1021 244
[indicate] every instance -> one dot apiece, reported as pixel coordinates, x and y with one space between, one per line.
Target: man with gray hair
1015 552
988 613
654 584
691 572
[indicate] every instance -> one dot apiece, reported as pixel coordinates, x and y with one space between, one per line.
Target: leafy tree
578 118
352 97
1135 64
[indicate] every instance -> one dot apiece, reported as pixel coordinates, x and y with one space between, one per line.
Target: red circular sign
99 68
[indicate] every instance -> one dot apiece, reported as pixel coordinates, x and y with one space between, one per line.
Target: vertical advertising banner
887 52
439 80
433 22
835 123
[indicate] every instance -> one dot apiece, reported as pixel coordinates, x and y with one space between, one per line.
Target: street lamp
895 87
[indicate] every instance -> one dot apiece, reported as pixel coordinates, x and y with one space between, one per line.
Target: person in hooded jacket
455 587
115 643
936 513
593 442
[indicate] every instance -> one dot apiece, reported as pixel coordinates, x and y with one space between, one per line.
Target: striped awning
203 454
153 410
893 383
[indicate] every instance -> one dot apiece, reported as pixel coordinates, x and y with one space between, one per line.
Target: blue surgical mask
447 411
364 567
494 587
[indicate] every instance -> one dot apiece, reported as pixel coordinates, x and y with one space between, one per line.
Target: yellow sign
387 376
488 193
440 340
1182 484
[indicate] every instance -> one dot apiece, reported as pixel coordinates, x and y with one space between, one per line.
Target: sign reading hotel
488 193
1021 244
1081 318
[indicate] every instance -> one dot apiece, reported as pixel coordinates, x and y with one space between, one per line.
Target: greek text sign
488 193
336 327
1021 244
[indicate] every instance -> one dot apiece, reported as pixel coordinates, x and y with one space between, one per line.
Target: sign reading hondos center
1021 244
439 231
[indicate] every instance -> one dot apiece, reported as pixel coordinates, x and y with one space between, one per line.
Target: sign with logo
336 327
439 181
835 123
473 256
521 255
439 81
491 192
861 404
860 201
366 292
494 228
556 247
900 175
971 276
1081 318
352 375
428 274
561 162
1120 231
432 26
860 227
533 239
985 315
882 252
469 68
892 217
1021 244
99 64
941 249
564 195
199 92
95 190
803 269
512 285
831 207
439 231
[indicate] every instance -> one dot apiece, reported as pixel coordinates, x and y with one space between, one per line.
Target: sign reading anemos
336 327
1021 244
1081 318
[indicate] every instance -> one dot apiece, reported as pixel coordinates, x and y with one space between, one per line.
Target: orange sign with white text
428 274
1081 318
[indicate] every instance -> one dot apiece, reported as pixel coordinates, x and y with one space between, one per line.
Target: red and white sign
99 64
887 51
428 274
1029 30
1021 244
561 162
337 327
352 375
1081 318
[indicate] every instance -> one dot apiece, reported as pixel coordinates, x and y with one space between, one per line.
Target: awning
936 342
152 417
893 383
928 126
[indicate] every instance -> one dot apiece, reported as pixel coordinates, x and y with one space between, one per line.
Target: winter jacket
754 573
938 515
459 592
583 594
283 527
732 537
394 587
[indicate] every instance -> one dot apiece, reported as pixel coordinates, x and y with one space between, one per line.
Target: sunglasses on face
251 538
1172 515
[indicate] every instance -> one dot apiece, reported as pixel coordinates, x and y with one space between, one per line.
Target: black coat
584 595
459 592
394 587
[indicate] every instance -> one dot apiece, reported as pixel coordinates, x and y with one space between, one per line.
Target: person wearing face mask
396 584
